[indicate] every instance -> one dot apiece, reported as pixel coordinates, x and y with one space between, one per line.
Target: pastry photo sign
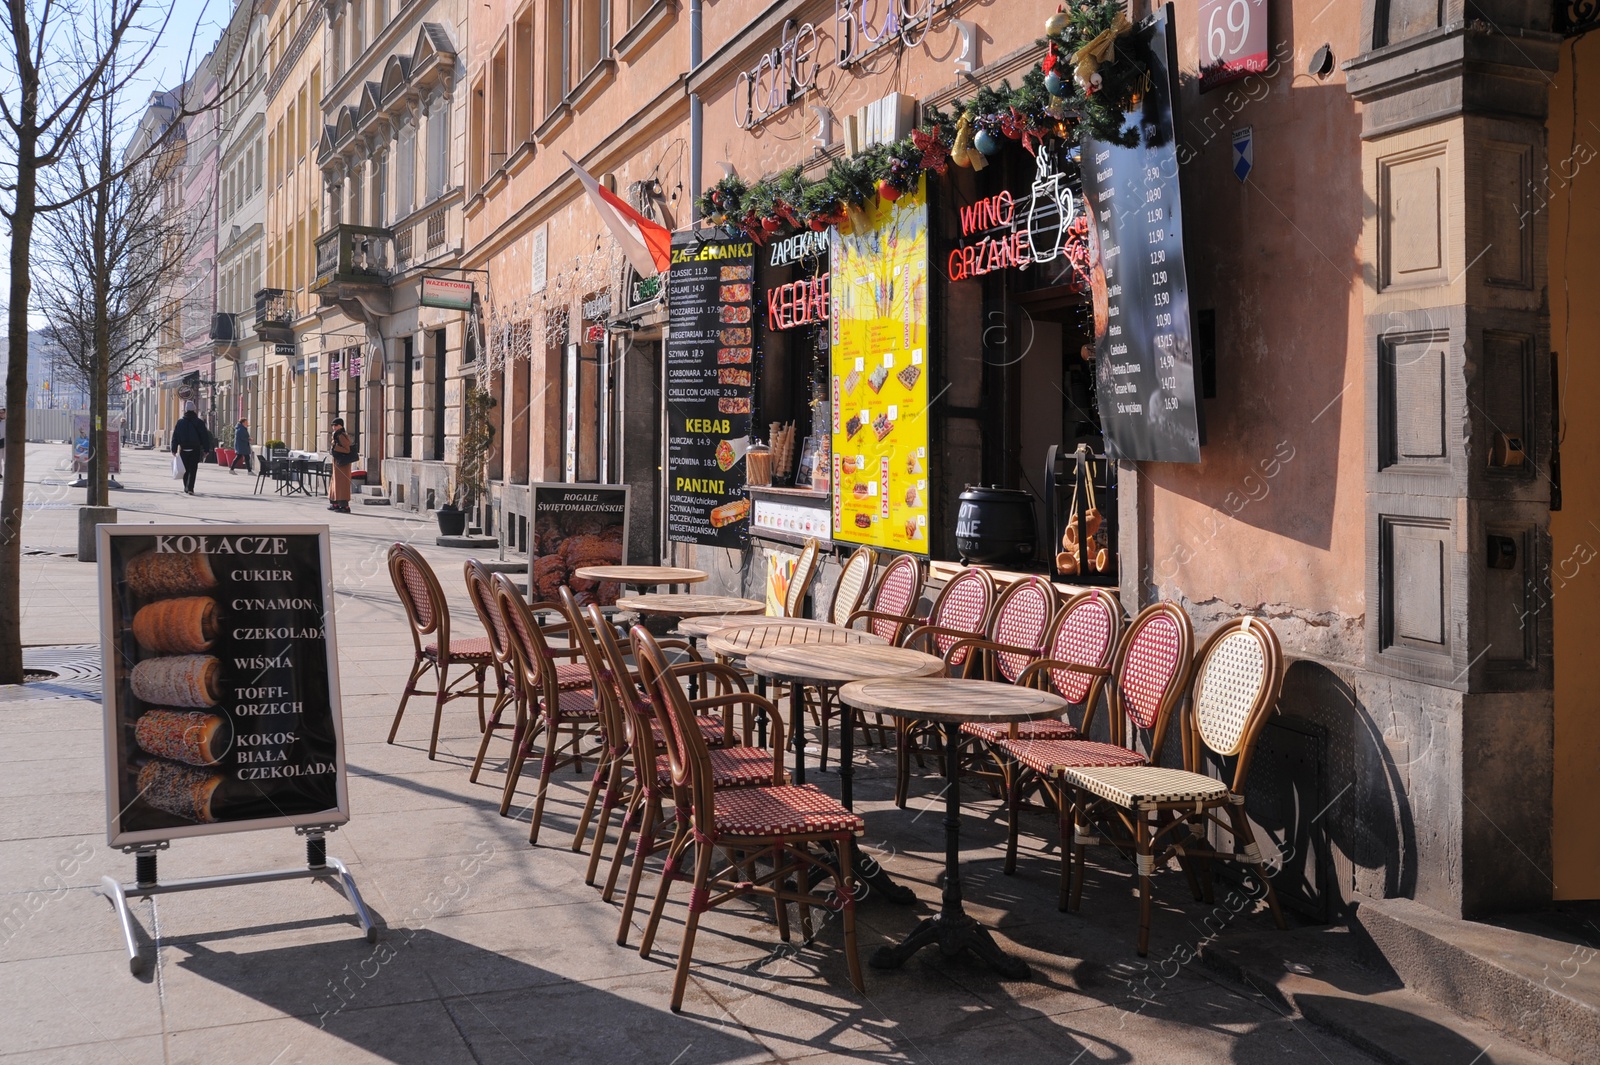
221 690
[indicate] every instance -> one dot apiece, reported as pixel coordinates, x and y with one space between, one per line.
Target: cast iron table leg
952 928
797 730
868 871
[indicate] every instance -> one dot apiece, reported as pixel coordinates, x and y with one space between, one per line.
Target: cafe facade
1315 387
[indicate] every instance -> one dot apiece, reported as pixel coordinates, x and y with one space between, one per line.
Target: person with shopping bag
344 456
190 442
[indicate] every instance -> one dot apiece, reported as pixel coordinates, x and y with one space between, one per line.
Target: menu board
879 376
1144 357
710 365
221 685
576 525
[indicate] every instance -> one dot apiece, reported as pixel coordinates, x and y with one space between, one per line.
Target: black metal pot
452 522
996 526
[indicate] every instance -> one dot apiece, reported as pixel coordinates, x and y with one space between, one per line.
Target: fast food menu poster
878 377
576 525
221 691
710 367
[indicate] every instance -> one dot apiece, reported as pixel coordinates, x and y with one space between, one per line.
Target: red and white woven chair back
962 605
898 590
1021 618
532 652
852 585
418 589
1152 665
687 753
1238 679
480 589
1086 633
794 600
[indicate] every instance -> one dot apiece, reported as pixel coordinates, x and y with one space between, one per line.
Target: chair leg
608 803
602 776
417 669
439 699
902 763
483 745
1146 866
691 924
844 877
521 747
1243 833
1013 814
483 677
630 821
1065 798
547 766
641 853
669 872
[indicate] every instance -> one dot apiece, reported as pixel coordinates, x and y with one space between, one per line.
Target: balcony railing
274 310
225 330
362 255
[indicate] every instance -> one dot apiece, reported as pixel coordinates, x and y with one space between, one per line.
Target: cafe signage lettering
781 76
802 302
1000 231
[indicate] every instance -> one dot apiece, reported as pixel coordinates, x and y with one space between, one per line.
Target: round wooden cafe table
683 605
705 626
641 576
950 702
738 641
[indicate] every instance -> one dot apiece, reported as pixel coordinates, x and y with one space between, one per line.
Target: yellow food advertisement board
879 375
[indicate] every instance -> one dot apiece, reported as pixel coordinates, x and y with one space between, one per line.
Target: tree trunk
17 419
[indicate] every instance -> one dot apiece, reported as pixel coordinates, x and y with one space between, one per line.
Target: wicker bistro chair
805 571
1077 650
959 615
652 782
1166 811
607 784
481 591
544 709
1148 675
429 615
894 600
782 823
852 587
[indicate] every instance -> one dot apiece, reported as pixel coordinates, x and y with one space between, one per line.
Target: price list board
1144 354
710 365
221 680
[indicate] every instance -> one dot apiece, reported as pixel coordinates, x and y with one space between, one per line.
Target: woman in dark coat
190 441
241 446
344 456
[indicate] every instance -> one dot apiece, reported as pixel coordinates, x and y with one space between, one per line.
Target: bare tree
58 59
105 262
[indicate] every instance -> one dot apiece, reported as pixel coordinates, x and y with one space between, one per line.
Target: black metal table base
952 928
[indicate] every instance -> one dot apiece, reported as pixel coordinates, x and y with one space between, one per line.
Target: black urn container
996 526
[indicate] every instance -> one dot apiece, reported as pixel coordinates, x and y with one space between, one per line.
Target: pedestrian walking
344 456
241 446
190 441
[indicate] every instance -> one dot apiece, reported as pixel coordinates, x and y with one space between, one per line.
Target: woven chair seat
474 649
731 767
572 675
1044 729
790 810
578 702
1049 758
1145 787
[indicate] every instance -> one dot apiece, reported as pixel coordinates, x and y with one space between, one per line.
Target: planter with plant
470 479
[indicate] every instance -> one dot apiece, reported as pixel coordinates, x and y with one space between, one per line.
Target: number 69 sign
1233 40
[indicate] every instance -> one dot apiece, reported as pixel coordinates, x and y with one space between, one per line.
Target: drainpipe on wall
696 118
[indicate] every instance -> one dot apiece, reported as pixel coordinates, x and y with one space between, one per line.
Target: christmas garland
1082 87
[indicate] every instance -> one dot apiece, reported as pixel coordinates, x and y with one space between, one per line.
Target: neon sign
1006 237
802 302
779 77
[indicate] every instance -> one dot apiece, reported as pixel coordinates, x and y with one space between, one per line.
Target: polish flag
647 244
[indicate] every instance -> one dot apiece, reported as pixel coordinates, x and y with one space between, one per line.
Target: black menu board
710 364
1144 357
221 685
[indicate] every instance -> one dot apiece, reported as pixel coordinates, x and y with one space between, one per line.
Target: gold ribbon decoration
1102 48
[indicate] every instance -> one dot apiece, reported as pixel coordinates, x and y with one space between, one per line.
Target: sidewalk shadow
416 996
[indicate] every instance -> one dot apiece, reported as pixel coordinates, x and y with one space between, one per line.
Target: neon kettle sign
1008 238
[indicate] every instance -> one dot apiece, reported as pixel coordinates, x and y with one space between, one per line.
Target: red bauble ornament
769 224
887 192
818 224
